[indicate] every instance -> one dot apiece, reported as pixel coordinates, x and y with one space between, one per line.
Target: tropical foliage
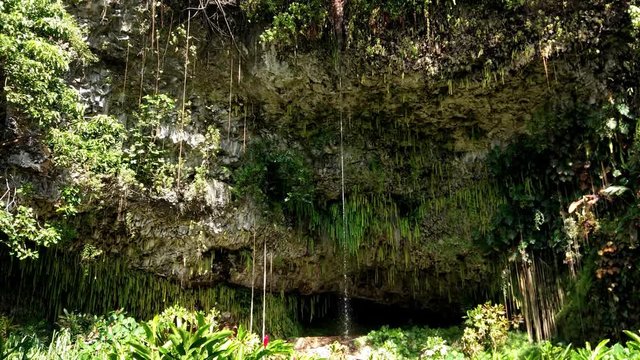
23 234
448 344
174 334
563 191
38 41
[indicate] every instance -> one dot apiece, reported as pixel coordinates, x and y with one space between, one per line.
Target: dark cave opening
367 315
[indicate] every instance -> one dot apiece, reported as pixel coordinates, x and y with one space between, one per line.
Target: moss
441 84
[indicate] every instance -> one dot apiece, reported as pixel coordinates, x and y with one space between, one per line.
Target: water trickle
346 303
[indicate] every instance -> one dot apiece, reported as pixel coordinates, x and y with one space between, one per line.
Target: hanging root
214 19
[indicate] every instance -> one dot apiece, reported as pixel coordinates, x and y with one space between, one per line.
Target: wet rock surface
250 93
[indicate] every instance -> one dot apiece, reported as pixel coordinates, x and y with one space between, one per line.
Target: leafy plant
181 334
548 351
301 20
38 41
437 348
70 199
276 176
14 345
487 329
21 232
90 147
412 343
587 353
179 343
146 154
75 323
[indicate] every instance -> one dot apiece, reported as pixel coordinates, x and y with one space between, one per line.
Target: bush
22 233
276 176
413 343
437 348
177 333
487 329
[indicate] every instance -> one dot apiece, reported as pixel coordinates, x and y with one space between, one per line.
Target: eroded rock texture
415 133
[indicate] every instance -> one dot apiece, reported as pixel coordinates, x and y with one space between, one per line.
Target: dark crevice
368 315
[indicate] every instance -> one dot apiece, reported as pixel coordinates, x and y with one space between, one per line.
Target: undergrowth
174 334
178 333
427 343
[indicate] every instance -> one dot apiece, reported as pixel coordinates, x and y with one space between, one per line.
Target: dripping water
346 303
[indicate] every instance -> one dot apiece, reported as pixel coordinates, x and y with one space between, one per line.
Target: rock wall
413 143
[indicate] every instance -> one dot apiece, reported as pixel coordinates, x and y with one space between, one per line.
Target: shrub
276 176
437 348
413 343
177 333
487 329
22 233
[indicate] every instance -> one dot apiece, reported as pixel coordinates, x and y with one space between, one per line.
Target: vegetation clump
565 189
23 234
486 329
452 344
38 42
174 334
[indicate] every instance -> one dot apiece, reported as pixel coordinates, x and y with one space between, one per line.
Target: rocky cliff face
412 133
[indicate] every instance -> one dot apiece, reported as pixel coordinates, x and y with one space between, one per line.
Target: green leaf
140 352
623 109
614 190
